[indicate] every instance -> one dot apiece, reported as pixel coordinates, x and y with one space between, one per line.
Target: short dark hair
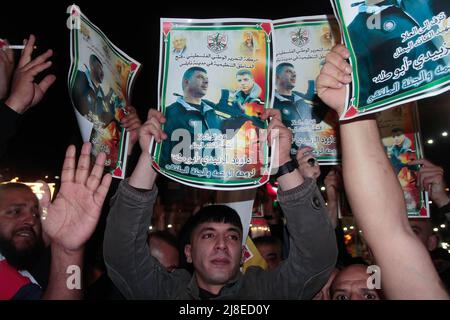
213 213
190 72
267 240
283 65
243 72
93 58
398 130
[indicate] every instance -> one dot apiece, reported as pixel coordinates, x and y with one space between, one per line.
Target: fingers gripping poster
399 51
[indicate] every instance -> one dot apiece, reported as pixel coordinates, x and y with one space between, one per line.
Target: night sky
49 127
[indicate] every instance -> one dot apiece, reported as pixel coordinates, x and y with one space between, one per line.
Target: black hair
190 72
267 240
212 213
283 65
93 58
398 130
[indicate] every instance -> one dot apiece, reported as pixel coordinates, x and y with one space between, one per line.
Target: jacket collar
188 107
229 291
283 99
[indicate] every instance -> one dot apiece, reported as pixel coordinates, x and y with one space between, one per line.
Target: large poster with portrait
301 45
400 134
399 51
214 83
100 81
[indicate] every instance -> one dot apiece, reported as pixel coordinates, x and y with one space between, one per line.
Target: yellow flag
252 257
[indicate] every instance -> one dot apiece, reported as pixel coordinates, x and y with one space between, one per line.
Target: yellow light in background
444 134
38 190
430 141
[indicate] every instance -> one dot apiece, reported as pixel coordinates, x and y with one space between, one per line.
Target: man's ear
187 253
432 242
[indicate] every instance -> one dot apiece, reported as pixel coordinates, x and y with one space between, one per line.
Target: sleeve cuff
298 193
136 194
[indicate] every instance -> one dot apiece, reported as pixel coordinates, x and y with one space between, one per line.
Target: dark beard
23 259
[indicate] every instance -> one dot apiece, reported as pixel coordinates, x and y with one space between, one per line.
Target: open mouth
25 233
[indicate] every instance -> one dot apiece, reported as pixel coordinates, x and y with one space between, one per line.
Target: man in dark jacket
215 247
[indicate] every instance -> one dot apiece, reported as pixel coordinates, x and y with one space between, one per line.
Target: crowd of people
44 243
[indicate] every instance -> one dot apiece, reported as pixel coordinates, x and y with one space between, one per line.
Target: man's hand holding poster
399 51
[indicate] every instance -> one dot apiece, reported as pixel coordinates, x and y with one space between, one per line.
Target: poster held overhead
100 81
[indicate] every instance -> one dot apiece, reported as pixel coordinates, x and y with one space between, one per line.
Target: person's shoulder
81 78
175 107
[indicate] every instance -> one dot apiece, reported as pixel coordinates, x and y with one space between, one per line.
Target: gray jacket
138 275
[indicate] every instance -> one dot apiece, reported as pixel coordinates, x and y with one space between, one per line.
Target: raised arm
25 92
375 195
133 270
71 219
313 252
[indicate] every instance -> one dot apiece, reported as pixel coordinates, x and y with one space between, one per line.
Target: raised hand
282 136
6 69
131 123
431 178
25 92
152 129
307 164
71 219
333 77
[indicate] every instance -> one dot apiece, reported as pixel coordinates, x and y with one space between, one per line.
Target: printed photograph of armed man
397 45
302 44
212 99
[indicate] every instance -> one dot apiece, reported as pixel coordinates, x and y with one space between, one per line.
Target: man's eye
341 297
208 236
13 212
233 237
370 296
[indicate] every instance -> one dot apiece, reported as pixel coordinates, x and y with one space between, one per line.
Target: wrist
441 200
60 250
14 105
284 159
143 176
290 180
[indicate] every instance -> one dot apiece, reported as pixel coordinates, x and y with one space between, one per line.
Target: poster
215 81
100 81
400 134
399 51
300 47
